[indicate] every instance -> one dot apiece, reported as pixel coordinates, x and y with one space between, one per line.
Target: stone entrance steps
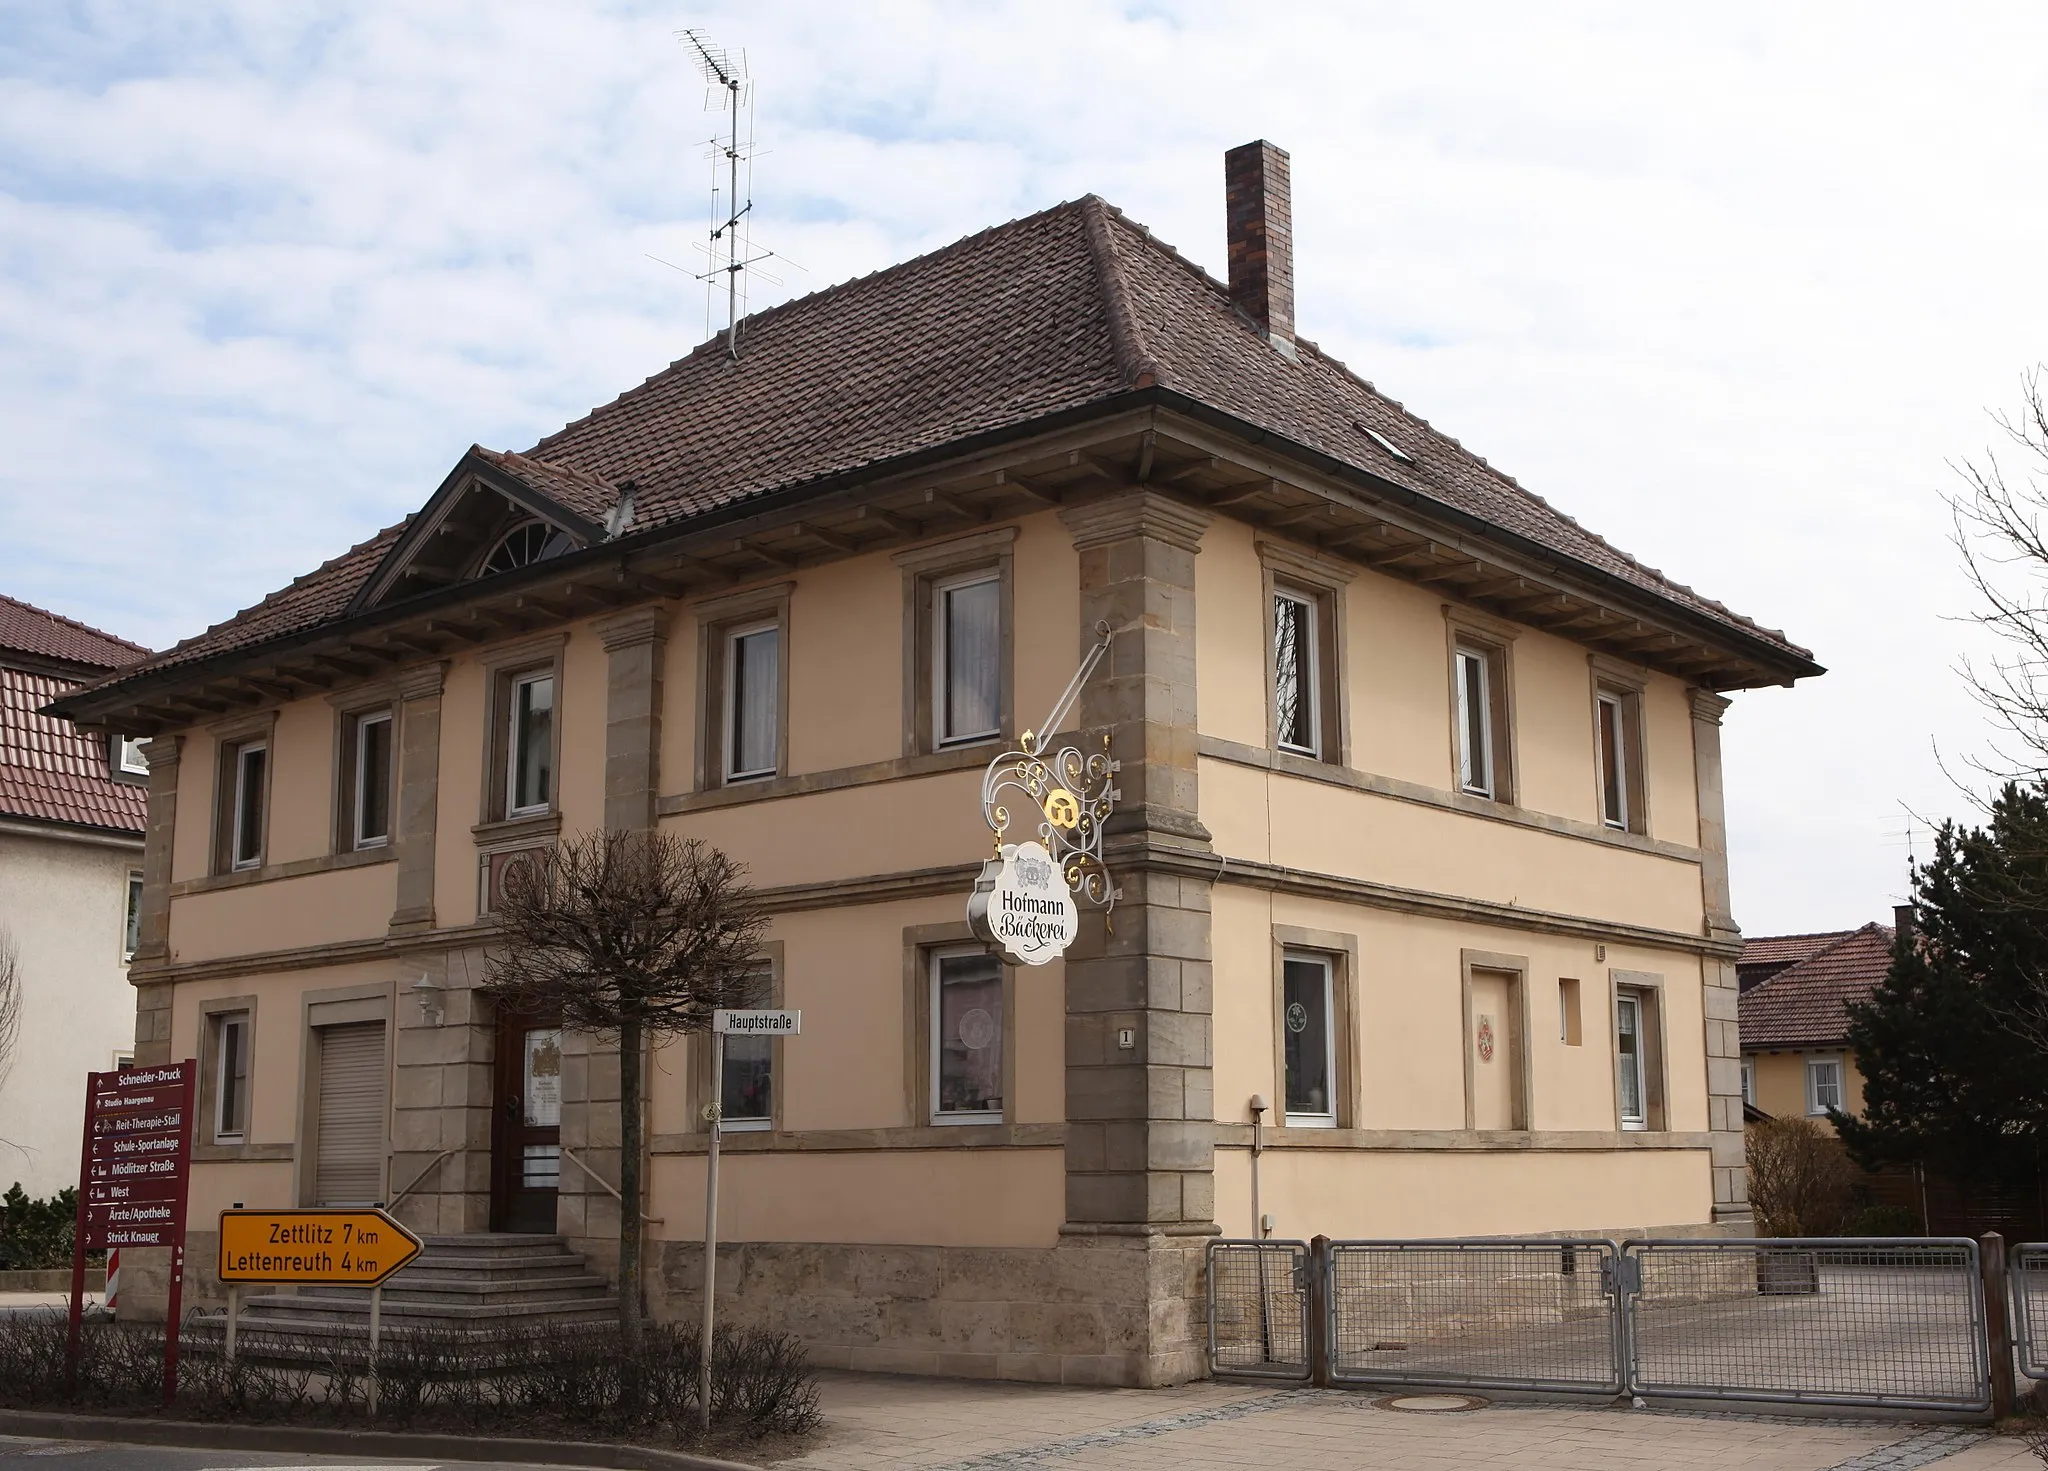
480 1284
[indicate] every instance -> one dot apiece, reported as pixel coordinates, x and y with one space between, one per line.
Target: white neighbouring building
71 819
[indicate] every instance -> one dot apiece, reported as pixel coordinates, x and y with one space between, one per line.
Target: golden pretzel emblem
1062 810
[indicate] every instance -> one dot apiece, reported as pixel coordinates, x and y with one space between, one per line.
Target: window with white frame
230 1079
249 769
753 698
1480 714
746 1090
966 1001
1823 1084
370 761
1309 1041
128 759
1618 756
967 682
530 745
1297 673
1631 1076
131 923
1749 1081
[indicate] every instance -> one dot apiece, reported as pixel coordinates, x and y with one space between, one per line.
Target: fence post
1319 1289
1997 1332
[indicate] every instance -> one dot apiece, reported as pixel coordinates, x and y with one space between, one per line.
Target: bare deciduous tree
635 935
10 1002
1800 1182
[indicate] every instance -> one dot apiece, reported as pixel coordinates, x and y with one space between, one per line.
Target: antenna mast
728 78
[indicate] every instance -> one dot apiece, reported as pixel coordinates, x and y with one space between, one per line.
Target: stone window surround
380 697
501 667
1519 1090
1628 682
1341 951
1650 987
920 943
1321 580
210 1011
1476 632
698 1049
331 1006
717 617
229 738
924 568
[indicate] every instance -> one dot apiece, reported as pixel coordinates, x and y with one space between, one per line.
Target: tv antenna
727 90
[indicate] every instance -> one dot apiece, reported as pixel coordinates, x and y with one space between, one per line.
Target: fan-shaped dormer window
522 546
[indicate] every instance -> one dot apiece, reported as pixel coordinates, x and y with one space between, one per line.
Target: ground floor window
1308 1012
967 1037
746 1092
1628 1051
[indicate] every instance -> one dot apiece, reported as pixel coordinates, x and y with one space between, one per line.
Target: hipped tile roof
1062 310
25 629
50 770
1804 1004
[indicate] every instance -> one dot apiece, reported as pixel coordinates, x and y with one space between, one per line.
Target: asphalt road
79 1455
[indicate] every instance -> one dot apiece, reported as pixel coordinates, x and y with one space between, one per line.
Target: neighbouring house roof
1074 309
1804 1005
50 771
25 629
1766 955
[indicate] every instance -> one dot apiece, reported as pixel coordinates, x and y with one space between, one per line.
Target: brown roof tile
50 771
1803 1005
1060 310
29 630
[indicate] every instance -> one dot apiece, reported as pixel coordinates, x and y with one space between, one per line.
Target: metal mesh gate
2030 1307
1258 1308
1896 1323
1538 1314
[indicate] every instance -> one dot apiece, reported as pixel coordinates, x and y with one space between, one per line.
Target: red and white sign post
133 1178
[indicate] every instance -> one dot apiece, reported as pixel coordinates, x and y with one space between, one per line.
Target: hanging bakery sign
1046 805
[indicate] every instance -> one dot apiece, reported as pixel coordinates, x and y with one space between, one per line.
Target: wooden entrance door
526 1134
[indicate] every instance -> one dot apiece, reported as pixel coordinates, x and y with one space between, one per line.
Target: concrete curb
197 1435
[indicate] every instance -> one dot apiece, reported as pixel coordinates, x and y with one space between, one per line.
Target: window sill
517 832
903 768
325 863
230 1153
872 1141
1458 1141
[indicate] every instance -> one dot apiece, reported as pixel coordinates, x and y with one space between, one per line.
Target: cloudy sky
1731 284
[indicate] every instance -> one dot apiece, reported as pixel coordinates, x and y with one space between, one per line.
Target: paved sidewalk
887 1423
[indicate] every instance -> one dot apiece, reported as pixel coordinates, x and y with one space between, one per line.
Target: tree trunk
630 1209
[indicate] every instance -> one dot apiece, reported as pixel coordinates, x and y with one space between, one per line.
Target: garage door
349 1154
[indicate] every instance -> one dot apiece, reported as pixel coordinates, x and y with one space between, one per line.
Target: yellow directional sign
354 1248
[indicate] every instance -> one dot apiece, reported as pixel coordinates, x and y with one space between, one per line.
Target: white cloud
1729 285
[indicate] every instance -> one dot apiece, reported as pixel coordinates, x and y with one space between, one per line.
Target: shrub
1800 1180
546 1378
1884 1220
35 1235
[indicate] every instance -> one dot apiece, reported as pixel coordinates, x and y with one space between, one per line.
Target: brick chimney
1259 209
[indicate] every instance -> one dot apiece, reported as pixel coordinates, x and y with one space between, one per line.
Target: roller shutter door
349 1163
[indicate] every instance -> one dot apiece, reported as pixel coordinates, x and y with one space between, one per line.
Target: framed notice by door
526 1134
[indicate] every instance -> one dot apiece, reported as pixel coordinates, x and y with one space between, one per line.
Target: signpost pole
376 1312
234 1302
78 1232
710 1232
187 1127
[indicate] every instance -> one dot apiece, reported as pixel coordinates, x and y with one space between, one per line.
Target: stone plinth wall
1119 1310
146 1278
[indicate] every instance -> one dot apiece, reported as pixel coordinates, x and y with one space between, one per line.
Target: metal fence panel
2030 1307
1510 1314
1258 1308
1839 1321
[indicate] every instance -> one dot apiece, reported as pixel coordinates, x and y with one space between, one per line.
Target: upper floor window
1749 1081
369 775
1618 747
522 546
753 700
127 757
967 679
1480 715
131 925
1297 674
1823 1084
530 745
246 774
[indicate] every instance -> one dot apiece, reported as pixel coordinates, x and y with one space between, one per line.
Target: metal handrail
432 1165
570 1155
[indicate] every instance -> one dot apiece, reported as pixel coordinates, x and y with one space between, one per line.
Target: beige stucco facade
63 906
1781 1085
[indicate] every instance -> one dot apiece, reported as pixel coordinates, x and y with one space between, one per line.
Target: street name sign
348 1248
757 1023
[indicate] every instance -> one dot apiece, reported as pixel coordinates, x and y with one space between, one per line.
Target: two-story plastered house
1420 838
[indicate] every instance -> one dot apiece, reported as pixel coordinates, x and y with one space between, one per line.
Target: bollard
1318 1267
1997 1332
